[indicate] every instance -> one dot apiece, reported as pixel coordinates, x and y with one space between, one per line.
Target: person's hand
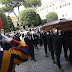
6 38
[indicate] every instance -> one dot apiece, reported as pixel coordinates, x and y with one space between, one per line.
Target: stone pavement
43 64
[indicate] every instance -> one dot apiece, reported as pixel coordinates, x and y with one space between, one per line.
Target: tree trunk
16 16
18 10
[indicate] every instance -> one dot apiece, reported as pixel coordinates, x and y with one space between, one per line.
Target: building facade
62 7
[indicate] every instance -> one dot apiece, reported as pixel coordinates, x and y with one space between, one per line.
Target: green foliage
10 5
30 3
51 16
38 20
13 3
29 17
17 28
4 1
7 9
44 21
4 21
10 23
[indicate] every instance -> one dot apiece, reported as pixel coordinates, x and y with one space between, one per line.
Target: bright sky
45 1
22 7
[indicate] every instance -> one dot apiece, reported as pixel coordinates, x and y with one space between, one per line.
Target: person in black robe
17 37
29 41
44 37
35 36
67 44
50 45
57 46
40 39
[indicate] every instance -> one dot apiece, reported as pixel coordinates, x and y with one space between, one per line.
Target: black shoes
54 61
61 70
67 59
34 60
46 55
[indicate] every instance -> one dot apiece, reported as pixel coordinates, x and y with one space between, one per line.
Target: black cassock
29 41
57 46
50 46
44 37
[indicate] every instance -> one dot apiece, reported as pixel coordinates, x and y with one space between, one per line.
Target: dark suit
50 46
40 40
44 37
67 43
29 41
57 46
35 36
16 38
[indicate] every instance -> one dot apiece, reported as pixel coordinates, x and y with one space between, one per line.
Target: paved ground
43 64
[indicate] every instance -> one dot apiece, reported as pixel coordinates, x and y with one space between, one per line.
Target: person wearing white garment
22 37
4 44
1 49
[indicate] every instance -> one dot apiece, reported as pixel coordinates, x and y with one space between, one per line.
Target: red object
0 24
13 42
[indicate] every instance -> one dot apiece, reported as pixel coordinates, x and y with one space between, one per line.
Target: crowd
53 40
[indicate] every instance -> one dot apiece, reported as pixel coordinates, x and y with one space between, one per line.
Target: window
65 4
50 5
60 6
53 4
56 7
62 15
42 8
69 3
47 6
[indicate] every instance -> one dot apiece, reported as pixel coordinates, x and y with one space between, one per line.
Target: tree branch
16 16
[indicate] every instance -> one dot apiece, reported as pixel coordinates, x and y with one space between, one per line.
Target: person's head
23 35
48 33
59 31
44 31
28 33
35 32
8 35
17 34
55 30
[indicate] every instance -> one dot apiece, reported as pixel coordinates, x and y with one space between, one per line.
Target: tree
28 17
7 9
44 21
10 23
32 3
38 20
4 21
10 5
51 16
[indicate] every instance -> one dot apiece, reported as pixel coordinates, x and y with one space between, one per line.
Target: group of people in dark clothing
53 40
